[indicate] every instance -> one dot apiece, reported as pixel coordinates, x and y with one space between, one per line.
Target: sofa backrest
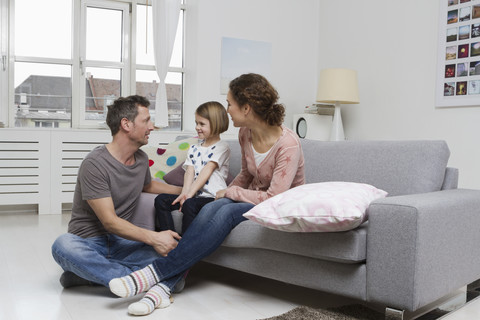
235 157
398 167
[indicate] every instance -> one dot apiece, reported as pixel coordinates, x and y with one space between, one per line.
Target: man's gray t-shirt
100 176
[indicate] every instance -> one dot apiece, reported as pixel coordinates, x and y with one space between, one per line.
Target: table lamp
337 86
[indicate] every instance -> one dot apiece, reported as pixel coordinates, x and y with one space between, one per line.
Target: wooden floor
29 286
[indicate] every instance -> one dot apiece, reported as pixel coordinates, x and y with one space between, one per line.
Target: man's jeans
206 233
100 259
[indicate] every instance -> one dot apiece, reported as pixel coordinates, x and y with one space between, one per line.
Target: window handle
82 68
4 62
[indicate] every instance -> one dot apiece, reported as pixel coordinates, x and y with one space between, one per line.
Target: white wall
290 26
393 46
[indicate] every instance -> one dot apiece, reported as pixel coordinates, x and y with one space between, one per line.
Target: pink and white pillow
317 207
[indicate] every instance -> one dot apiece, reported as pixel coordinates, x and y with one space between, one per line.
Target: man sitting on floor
101 243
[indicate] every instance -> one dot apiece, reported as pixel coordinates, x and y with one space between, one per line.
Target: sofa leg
473 290
393 314
473 286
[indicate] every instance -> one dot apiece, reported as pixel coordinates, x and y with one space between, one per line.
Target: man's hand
165 241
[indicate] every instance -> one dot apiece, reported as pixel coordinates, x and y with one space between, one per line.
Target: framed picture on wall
243 56
458 57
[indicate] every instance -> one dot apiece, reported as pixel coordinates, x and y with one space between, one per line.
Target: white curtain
165 15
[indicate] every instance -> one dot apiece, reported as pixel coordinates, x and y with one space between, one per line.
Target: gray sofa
419 244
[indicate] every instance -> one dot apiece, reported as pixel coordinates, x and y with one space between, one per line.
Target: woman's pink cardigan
282 169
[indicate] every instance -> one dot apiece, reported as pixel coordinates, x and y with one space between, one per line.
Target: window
42 90
43 62
146 76
81 55
104 57
3 63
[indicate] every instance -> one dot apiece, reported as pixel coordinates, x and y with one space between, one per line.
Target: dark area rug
350 312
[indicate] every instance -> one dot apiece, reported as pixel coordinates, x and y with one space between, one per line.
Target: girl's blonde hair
214 112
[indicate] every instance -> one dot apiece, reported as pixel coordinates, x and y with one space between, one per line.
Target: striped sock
135 283
157 297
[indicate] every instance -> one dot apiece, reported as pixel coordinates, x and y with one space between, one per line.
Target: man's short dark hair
124 108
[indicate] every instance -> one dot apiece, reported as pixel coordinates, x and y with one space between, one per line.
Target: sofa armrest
144 215
421 247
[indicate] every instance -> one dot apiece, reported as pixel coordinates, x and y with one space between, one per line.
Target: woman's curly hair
254 90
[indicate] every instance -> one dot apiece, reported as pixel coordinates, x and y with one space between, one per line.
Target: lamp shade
338 86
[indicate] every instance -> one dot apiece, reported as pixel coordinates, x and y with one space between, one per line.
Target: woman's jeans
206 233
100 259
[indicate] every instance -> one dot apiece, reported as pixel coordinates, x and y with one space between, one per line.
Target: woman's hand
220 194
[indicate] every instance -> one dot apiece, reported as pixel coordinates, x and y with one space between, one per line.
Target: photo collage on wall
461 74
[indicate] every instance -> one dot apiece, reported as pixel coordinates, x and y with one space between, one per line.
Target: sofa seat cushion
346 247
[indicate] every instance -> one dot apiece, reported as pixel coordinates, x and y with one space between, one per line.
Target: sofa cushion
162 160
398 167
345 247
175 176
235 164
317 207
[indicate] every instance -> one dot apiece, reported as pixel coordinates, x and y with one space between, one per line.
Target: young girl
206 169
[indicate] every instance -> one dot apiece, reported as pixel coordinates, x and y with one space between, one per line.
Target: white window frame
77 61
4 64
13 58
123 65
147 67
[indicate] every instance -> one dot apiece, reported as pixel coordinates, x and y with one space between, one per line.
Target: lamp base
336 134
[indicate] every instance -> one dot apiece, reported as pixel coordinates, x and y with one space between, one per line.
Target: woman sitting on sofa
272 162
